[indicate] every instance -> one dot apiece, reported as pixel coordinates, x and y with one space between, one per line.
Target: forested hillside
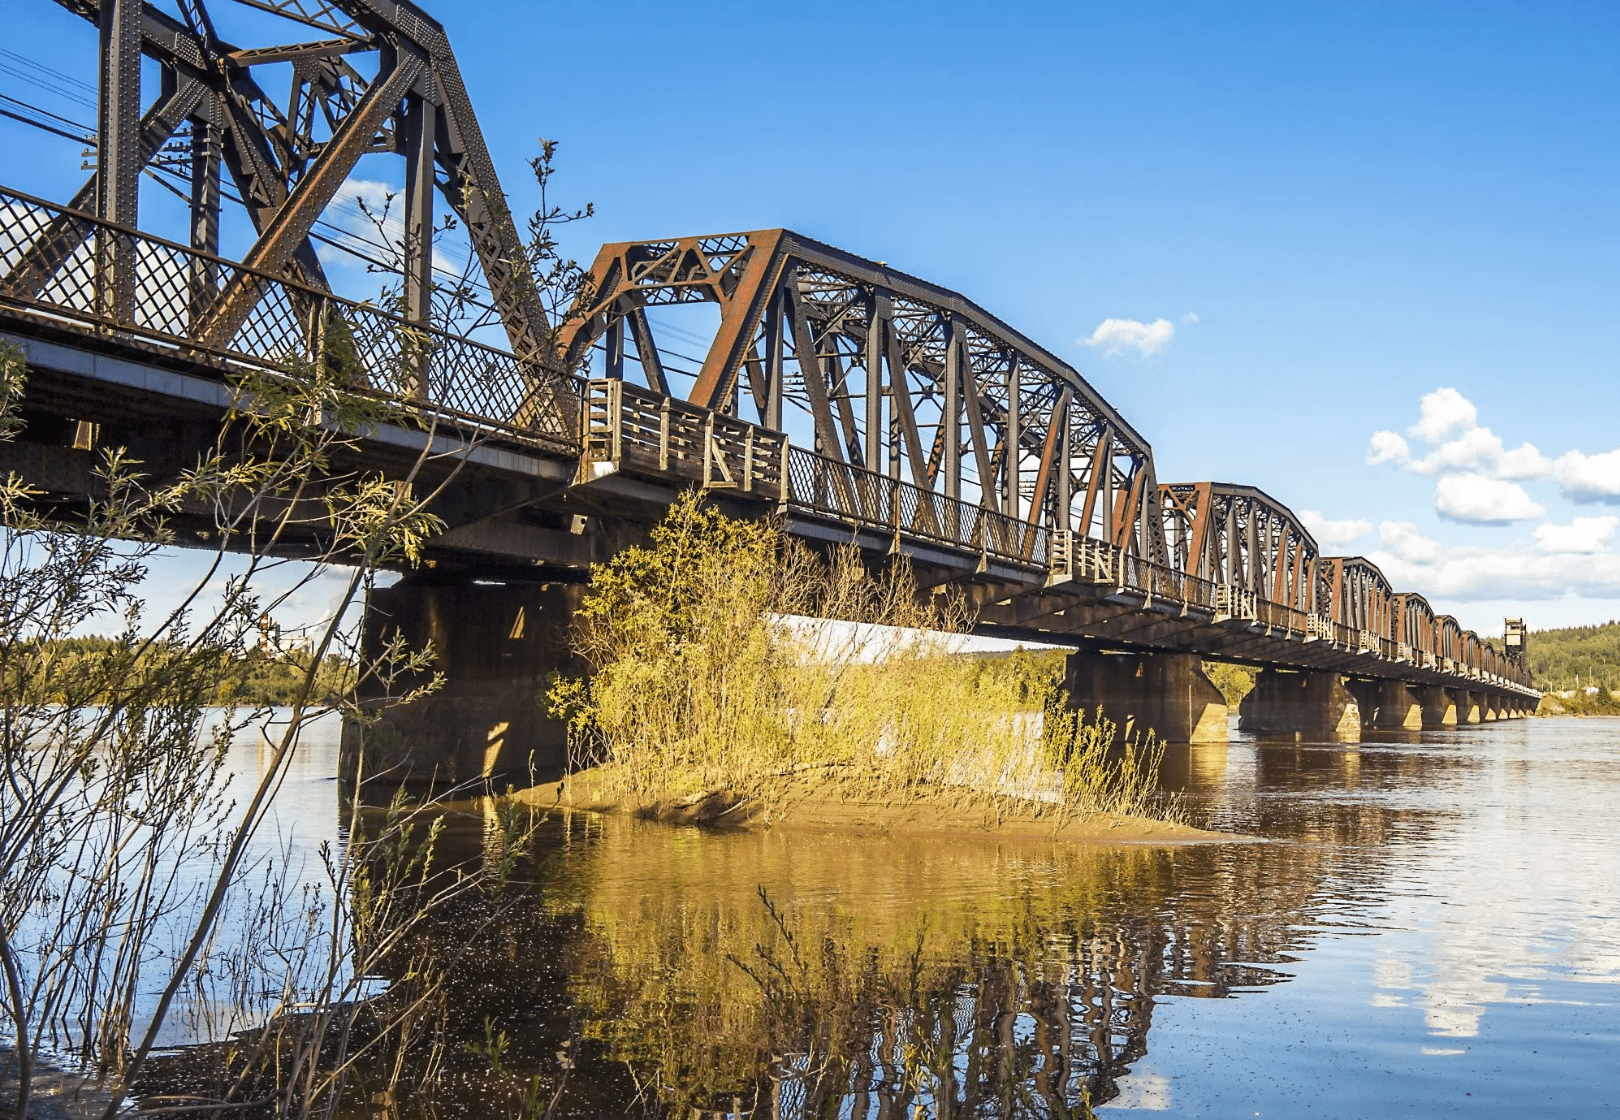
1592 653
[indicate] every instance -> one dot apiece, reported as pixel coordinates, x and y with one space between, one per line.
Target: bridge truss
864 403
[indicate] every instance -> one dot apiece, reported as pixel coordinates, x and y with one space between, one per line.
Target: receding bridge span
859 403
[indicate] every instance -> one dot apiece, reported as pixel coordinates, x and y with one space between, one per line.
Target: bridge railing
644 432
861 496
67 268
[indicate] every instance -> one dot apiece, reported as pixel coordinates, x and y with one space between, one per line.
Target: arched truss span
1360 595
1240 536
882 371
1414 622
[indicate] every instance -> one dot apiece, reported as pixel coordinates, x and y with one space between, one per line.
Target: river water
1420 926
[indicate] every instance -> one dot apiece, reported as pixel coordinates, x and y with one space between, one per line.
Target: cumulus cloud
1115 336
1450 422
1473 574
1387 447
1333 534
1589 478
1443 412
1409 544
1582 535
1480 500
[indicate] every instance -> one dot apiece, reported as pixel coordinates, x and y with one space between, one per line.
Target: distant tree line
1576 657
251 678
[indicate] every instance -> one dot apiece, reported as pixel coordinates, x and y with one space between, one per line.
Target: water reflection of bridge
864 404
974 978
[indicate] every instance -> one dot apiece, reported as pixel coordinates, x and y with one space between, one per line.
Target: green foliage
710 675
1234 681
253 678
1028 677
1600 703
1591 653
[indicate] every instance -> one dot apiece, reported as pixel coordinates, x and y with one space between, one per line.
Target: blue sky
1335 209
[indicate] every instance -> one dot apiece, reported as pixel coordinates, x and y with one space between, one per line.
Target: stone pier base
1167 693
1313 704
1439 707
495 645
1387 705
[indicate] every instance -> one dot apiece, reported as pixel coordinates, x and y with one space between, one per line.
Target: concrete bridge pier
1315 704
1165 692
1439 707
1469 709
1387 705
495 644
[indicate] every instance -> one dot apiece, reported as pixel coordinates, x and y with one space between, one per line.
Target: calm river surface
1428 927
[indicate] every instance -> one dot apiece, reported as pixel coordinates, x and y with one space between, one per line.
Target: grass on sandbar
710 673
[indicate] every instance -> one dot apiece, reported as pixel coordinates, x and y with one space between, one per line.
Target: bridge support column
1165 692
495 645
1467 705
1439 708
1301 703
1388 705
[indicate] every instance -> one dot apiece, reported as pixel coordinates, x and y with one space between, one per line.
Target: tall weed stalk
727 657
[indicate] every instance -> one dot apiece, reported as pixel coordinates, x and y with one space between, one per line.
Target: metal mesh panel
61 264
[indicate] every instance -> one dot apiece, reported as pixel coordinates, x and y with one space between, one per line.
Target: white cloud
1480 500
1443 411
1410 545
1387 447
1333 534
1190 317
1115 336
1589 478
1466 573
1480 451
1450 421
1583 535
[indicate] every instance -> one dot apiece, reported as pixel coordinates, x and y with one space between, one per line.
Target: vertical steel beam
988 498
875 317
773 362
613 363
950 418
1101 455
421 119
1012 441
1055 447
118 152
812 373
206 142
905 416
1062 514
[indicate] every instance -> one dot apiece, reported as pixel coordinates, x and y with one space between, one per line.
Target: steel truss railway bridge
859 403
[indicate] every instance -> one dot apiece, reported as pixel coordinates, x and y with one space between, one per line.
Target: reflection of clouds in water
1526 889
1148 1092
